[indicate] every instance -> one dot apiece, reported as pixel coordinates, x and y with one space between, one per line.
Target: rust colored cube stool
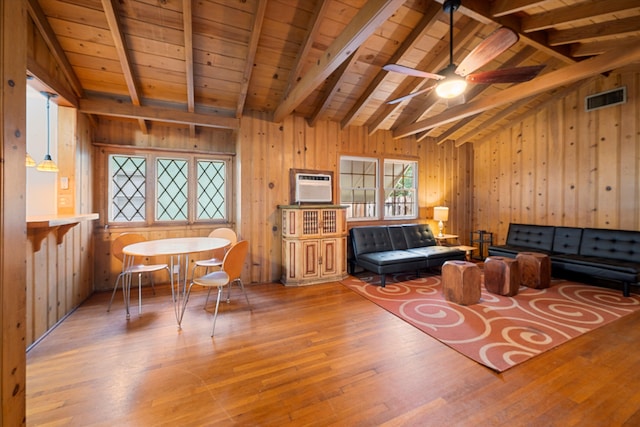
461 282
535 269
501 275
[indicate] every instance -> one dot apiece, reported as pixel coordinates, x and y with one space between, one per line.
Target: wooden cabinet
314 244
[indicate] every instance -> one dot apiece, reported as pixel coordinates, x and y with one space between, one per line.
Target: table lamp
440 214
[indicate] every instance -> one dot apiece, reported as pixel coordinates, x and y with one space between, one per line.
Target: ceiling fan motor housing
451 6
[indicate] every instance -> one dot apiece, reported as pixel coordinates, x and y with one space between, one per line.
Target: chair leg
126 293
215 314
139 294
113 294
245 293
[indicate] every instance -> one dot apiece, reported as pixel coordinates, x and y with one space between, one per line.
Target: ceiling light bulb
451 87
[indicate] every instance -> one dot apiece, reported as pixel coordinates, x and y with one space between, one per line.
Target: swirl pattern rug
498 332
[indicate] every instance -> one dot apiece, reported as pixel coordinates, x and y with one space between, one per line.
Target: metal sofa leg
383 279
625 289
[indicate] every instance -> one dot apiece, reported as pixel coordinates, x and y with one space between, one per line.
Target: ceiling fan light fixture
451 87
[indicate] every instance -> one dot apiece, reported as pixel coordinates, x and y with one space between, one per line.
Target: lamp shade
441 213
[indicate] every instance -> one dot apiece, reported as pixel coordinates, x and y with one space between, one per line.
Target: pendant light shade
47 165
29 162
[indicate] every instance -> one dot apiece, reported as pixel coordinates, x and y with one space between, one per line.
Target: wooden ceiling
206 62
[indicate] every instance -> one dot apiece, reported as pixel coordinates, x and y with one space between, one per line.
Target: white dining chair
136 267
229 273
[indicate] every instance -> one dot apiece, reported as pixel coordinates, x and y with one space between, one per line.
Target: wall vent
606 99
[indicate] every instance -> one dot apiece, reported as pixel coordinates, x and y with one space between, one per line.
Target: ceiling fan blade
497 42
411 71
509 75
411 95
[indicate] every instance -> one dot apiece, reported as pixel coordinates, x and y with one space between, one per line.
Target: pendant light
47 165
29 162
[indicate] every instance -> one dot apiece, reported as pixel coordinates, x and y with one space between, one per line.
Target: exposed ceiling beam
480 10
596 48
430 17
187 24
373 14
558 95
296 71
567 75
256 30
111 14
117 108
332 88
41 22
506 7
586 11
598 31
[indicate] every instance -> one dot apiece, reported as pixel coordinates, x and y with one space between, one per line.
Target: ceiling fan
453 79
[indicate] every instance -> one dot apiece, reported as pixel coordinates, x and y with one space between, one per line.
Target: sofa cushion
370 239
532 237
391 257
396 234
627 271
418 235
566 240
611 244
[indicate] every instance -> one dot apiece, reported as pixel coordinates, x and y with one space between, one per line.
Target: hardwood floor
316 355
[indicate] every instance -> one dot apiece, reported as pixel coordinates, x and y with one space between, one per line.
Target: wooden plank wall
13 142
265 151
60 276
561 165
268 150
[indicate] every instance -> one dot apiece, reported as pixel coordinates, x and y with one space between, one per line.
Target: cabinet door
310 258
329 263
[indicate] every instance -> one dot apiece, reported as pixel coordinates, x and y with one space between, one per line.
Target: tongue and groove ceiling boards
206 62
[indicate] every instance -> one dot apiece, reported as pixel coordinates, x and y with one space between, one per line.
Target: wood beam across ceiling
256 30
373 14
430 17
41 22
480 10
564 76
111 14
187 24
112 107
587 11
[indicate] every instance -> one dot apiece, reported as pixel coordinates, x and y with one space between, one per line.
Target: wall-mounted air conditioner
315 188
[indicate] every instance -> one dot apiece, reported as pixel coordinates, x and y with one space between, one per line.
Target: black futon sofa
387 249
588 252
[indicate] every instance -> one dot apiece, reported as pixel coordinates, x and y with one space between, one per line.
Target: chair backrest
225 233
234 259
123 240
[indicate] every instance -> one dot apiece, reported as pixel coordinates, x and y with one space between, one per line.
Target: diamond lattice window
211 189
127 188
172 190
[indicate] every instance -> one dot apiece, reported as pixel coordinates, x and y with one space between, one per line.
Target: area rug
498 332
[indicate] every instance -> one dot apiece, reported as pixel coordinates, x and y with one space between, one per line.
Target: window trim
151 156
380 190
415 188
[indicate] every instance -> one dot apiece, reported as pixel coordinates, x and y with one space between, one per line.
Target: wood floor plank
314 355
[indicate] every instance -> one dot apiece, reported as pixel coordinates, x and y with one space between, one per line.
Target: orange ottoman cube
501 275
535 269
461 282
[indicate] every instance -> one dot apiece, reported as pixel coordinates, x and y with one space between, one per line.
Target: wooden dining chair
136 267
216 261
230 272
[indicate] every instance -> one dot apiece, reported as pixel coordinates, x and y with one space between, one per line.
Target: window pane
171 202
358 187
399 189
127 188
211 190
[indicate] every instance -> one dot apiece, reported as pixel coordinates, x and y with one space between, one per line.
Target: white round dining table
178 249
